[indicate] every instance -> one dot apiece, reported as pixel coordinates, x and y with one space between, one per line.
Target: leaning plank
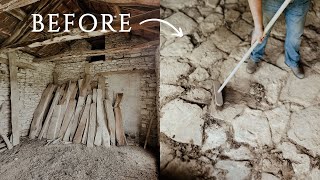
101 119
14 97
98 135
85 133
82 124
67 118
6 140
74 122
83 89
53 126
49 115
64 102
120 135
111 121
92 124
42 108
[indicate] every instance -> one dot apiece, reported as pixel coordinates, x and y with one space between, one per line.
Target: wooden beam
13 4
18 13
88 53
14 98
6 140
22 26
131 2
76 33
21 65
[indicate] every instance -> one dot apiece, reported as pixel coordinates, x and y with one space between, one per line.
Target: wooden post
14 97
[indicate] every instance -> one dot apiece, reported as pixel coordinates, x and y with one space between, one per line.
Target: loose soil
33 160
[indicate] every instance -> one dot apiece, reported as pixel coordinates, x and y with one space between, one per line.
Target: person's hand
257 35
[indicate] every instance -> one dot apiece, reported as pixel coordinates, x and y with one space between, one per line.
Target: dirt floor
34 160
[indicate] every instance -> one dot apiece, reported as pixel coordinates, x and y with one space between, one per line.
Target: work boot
298 71
251 66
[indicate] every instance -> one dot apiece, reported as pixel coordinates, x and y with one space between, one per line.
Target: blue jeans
295 16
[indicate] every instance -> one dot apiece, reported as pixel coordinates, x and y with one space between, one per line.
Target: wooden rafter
14 4
23 25
88 53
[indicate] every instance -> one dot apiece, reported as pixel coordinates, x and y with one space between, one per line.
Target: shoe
251 66
298 71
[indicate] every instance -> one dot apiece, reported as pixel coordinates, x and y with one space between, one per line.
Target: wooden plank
78 135
46 123
98 135
120 135
126 49
6 140
101 119
80 106
67 118
111 121
85 133
102 85
14 98
53 126
2 145
21 65
75 120
92 125
41 110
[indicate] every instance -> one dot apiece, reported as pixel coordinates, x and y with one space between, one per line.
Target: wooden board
92 125
41 110
101 119
82 124
111 121
67 118
14 98
75 120
6 140
85 133
45 126
54 123
120 135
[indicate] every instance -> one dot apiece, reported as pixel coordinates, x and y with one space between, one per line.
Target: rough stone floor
269 126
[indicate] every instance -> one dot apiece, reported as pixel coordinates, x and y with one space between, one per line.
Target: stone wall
143 63
269 125
31 84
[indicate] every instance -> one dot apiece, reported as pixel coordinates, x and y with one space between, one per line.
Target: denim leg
295 15
269 10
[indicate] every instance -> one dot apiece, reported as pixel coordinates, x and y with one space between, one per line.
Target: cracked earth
269 126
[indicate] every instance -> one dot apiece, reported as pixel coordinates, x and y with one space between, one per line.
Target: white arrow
178 33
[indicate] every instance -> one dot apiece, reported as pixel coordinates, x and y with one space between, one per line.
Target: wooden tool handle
247 55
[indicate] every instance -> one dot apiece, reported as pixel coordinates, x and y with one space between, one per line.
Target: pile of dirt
34 160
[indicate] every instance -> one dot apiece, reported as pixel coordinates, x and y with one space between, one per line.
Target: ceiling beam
77 34
131 2
108 52
13 4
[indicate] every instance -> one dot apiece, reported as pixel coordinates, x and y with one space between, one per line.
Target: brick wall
31 84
